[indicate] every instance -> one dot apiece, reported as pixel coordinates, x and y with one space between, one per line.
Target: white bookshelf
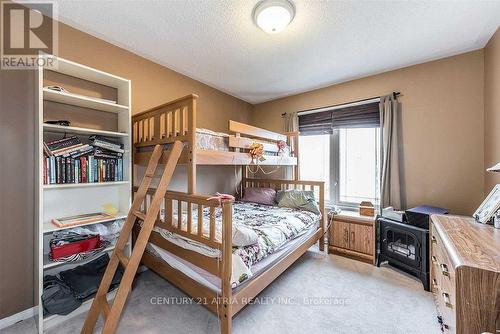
62 200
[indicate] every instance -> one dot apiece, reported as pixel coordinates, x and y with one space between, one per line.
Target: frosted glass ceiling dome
273 16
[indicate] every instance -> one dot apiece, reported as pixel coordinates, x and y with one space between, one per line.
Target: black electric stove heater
405 245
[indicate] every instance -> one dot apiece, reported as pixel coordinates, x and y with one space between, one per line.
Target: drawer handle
433 239
434 282
444 270
447 301
433 258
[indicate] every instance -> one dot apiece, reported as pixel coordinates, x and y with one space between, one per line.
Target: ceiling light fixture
273 16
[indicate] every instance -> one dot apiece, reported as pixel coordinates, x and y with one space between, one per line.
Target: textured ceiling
216 41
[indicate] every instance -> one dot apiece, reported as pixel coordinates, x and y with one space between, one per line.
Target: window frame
335 172
334 160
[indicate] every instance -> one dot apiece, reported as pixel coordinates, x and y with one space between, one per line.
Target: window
315 160
358 159
347 160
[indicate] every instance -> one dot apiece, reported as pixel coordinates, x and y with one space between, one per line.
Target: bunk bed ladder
111 313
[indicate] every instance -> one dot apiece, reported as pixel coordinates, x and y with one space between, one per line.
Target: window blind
325 121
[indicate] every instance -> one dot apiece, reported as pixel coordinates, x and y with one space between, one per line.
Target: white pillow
244 236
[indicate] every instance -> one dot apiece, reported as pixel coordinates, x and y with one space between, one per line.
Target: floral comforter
274 226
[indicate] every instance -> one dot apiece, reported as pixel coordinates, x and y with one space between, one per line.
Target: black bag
84 280
57 297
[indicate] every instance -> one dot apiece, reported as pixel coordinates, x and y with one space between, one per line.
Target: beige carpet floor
318 294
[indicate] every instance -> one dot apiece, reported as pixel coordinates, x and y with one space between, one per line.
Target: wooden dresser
353 236
465 274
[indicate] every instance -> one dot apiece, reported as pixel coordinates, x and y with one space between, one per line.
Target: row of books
72 147
60 170
68 160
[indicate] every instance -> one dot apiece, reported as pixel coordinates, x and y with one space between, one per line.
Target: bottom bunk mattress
258 232
213 282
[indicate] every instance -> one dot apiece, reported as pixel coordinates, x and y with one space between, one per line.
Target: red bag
74 247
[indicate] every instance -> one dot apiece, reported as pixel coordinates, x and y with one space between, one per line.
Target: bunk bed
192 244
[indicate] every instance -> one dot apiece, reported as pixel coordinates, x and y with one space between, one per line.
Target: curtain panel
291 122
391 193
324 122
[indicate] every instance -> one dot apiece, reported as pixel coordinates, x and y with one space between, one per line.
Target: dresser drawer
439 254
443 280
445 290
446 312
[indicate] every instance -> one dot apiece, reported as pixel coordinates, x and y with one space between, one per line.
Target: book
45 171
52 170
82 152
107 144
66 152
64 169
63 143
103 153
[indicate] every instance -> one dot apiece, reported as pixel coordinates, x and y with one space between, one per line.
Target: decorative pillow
298 199
265 196
244 236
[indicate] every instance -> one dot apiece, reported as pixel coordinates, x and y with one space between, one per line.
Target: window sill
354 214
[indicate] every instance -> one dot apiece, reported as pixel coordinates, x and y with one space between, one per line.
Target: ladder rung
122 257
139 214
104 306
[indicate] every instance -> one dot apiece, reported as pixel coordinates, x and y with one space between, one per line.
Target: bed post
244 176
323 215
191 166
296 148
225 308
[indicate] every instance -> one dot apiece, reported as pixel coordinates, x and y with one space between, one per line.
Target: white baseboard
23 315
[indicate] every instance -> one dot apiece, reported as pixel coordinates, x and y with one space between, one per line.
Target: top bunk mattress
219 141
211 140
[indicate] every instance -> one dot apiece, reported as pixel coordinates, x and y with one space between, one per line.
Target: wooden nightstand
353 236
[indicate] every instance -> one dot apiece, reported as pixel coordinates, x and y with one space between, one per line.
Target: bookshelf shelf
47 264
84 185
69 199
48 227
82 101
52 128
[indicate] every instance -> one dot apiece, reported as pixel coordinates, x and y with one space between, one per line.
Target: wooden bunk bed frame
161 125
176 120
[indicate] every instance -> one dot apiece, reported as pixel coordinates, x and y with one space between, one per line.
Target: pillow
265 196
244 236
298 199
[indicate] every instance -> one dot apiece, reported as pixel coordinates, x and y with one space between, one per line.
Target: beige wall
492 109
442 119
